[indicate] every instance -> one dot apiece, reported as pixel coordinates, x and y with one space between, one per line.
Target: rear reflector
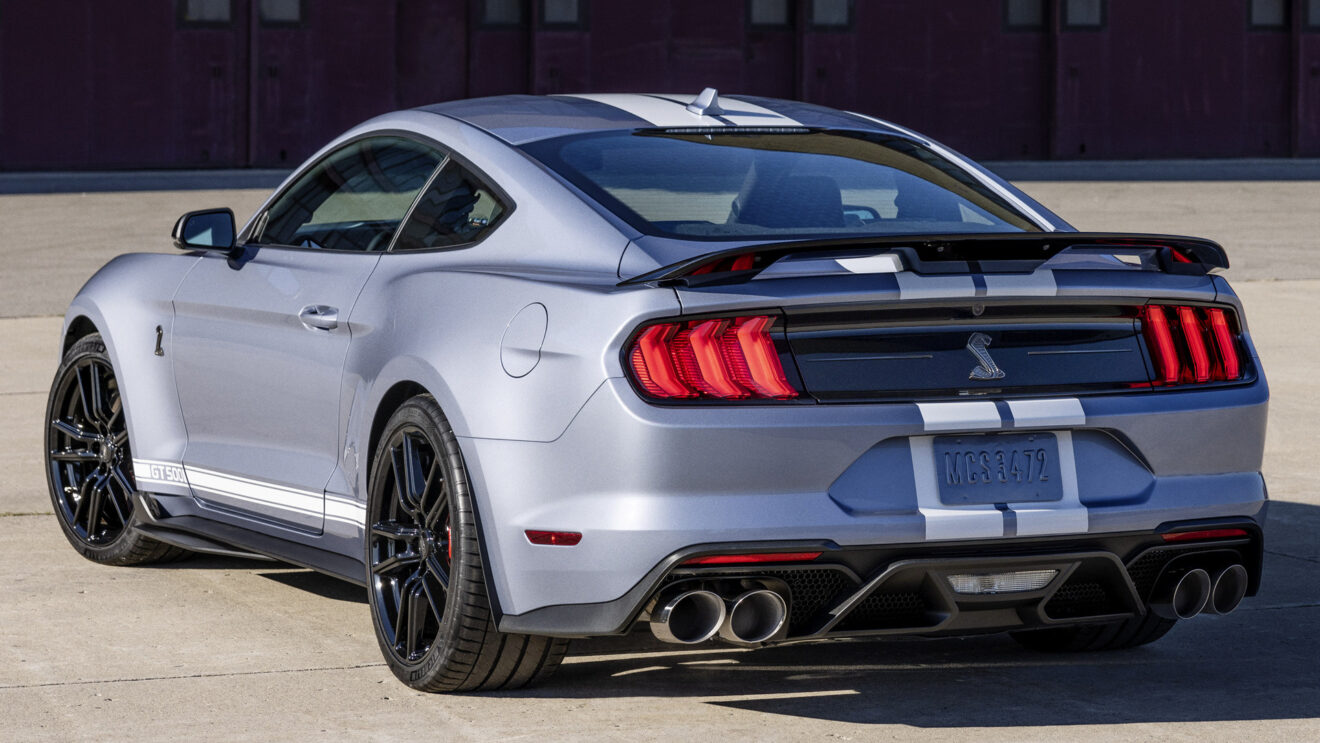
753 558
731 358
1192 536
1195 347
554 538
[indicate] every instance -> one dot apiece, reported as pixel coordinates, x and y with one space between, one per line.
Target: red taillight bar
1191 329
1197 348
653 366
731 358
1224 343
757 557
1160 338
1192 536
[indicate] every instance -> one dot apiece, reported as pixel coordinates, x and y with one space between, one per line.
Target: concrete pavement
214 649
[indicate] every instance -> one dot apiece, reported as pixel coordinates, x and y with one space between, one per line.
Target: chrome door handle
319 317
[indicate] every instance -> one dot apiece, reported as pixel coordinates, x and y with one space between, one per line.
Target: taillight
1190 345
729 358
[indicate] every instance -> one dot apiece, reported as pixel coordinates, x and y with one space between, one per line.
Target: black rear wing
1018 252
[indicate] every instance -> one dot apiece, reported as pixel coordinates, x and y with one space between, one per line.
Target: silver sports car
737 369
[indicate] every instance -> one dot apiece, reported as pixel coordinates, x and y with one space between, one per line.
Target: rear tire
1086 638
89 466
429 603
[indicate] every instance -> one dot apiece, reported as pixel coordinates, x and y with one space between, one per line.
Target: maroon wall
114 84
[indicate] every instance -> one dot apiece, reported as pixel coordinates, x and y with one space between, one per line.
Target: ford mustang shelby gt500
533 368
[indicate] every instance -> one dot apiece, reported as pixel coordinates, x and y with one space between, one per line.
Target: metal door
259 354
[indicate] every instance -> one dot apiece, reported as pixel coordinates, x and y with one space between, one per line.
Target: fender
127 300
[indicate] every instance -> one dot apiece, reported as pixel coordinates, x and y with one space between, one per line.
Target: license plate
998 468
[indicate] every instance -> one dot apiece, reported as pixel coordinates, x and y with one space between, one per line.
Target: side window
456 209
354 199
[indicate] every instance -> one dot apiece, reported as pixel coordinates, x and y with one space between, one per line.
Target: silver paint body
254 419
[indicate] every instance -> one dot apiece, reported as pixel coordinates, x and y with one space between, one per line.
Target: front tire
89 466
426 587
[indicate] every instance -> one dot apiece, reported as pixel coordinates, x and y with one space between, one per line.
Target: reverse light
1014 582
1190 345
756 557
731 358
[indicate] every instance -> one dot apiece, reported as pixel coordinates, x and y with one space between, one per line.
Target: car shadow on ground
302 579
1255 664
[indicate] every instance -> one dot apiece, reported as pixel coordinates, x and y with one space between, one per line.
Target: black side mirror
211 229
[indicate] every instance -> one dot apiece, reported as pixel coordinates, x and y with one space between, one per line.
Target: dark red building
91 84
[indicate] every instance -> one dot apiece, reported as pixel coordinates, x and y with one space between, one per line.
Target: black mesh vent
813 592
883 610
1081 599
1145 570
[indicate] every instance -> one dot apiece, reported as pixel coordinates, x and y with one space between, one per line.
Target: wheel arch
128 302
78 327
394 397
392 400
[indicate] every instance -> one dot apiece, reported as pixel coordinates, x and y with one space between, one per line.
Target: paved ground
237 650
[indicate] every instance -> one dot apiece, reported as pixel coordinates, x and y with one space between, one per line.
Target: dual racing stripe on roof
519 119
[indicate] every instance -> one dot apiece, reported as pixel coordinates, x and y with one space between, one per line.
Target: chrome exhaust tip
688 618
1229 587
754 617
1186 598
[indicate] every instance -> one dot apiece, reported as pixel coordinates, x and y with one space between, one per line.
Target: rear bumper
904 590
645 484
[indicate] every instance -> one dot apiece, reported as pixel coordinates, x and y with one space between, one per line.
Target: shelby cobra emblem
987 369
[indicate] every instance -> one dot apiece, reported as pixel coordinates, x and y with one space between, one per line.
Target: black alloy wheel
426 587
410 546
89 464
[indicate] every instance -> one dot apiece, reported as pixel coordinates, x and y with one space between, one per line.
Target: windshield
730 184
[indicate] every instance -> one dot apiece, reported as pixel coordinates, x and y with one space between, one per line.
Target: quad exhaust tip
1196 592
688 618
1229 587
754 617
1186 598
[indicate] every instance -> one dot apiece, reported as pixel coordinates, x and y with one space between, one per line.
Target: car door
259 342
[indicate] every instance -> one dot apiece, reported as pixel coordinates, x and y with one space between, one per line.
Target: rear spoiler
946 254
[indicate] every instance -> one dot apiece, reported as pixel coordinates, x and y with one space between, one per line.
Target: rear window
729 184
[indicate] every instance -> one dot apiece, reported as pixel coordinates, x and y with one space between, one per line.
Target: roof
518 119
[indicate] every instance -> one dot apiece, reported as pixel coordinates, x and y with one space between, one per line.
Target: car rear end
948 433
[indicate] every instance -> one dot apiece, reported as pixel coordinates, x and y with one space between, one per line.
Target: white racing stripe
915 286
1047 413
1039 283
157 472
741 113
882 263
959 416
655 110
345 511
948 522
1067 516
340 509
1007 195
251 491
